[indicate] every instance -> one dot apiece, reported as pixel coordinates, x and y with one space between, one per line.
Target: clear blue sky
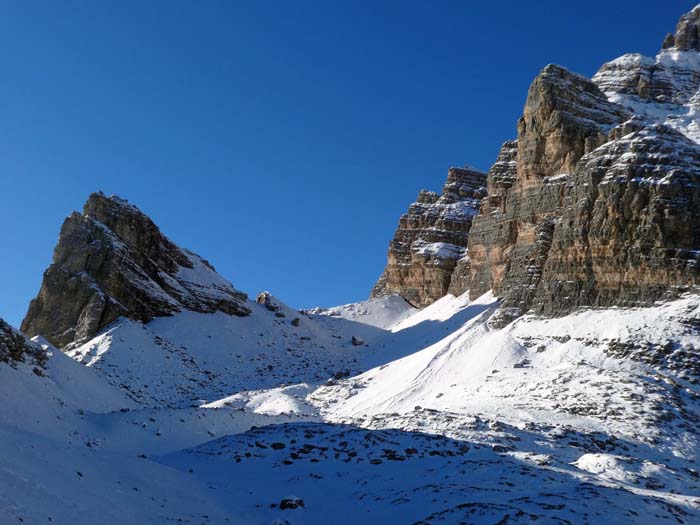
280 140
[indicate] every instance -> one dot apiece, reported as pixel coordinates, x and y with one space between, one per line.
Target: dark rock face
687 35
15 348
431 239
113 261
596 206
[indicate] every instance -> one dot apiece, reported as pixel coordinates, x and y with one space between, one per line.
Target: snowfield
435 418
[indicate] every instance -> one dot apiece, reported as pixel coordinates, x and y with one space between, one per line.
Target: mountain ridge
625 144
550 375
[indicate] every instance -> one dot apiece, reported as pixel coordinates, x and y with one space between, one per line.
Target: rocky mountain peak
565 116
135 229
112 261
687 35
431 239
598 207
594 204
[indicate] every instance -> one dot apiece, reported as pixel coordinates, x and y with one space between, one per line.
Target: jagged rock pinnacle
431 239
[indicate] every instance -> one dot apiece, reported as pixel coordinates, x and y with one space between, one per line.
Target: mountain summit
431 239
113 261
687 35
594 204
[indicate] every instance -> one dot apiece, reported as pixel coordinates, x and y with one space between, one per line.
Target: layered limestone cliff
431 240
113 261
599 202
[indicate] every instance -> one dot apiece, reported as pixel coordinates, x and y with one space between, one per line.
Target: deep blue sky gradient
280 140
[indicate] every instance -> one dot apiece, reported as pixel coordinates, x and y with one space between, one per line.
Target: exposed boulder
266 299
291 503
431 239
113 261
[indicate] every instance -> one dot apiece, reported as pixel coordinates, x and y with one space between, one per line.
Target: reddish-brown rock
431 239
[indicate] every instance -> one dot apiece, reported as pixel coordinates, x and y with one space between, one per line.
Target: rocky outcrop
565 117
113 261
431 240
687 35
664 88
599 202
16 348
629 232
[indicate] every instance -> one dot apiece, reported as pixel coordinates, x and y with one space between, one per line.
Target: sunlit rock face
431 240
113 261
597 203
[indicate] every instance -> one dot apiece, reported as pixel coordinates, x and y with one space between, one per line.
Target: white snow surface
441 250
381 312
202 282
588 418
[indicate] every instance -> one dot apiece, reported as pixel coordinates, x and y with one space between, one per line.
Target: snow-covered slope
75 450
586 418
55 471
611 395
382 312
191 358
475 365
335 474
